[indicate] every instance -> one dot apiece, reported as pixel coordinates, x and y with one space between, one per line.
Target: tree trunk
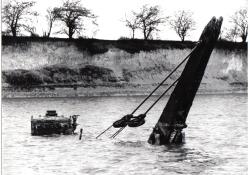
244 38
145 34
13 31
149 32
182 39
50 28
70 33
145 31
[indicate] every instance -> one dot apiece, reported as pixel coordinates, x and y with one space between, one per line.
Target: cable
162 95
153 92
104 131
120 130
164 80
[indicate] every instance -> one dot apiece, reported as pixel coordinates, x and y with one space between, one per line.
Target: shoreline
108 92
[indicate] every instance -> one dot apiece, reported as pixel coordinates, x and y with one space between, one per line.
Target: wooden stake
80 136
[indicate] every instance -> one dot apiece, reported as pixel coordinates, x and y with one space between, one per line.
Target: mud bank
137 67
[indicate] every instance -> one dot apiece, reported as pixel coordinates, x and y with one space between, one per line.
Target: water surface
216 138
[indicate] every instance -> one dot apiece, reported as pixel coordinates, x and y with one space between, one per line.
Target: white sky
111 12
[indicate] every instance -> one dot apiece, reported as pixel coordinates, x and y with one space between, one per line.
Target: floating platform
51 123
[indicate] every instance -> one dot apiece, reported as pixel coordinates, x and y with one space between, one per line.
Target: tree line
71 14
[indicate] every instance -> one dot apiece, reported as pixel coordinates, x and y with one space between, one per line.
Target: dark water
216 138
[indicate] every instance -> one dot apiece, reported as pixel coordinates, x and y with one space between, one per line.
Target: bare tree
71 14
182 23
232 33
50 17
239 21
132 23
149 19
17 15
31 30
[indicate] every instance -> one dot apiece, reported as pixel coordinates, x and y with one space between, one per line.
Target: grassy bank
96 46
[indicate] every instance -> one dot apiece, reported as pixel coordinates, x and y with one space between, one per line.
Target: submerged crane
173 118
168 129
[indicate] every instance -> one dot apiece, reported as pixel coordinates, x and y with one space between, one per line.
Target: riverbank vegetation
97 46
58 74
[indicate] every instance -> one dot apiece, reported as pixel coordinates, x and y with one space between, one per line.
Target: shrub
90 73
91 46
96 49
58 74
126 75
123 38
32 78
22 77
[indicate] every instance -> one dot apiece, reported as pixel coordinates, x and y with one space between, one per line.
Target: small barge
51 123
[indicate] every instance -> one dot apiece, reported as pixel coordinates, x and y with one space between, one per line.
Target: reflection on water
216 138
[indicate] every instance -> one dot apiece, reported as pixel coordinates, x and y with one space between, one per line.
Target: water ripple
215 138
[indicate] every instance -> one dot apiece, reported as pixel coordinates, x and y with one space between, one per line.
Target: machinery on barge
51 123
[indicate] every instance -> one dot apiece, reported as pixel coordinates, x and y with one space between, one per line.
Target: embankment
60 67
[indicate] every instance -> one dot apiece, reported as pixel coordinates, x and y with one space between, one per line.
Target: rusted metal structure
169 127
173 118
51 123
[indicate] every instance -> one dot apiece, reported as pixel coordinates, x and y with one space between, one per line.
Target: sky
111 14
